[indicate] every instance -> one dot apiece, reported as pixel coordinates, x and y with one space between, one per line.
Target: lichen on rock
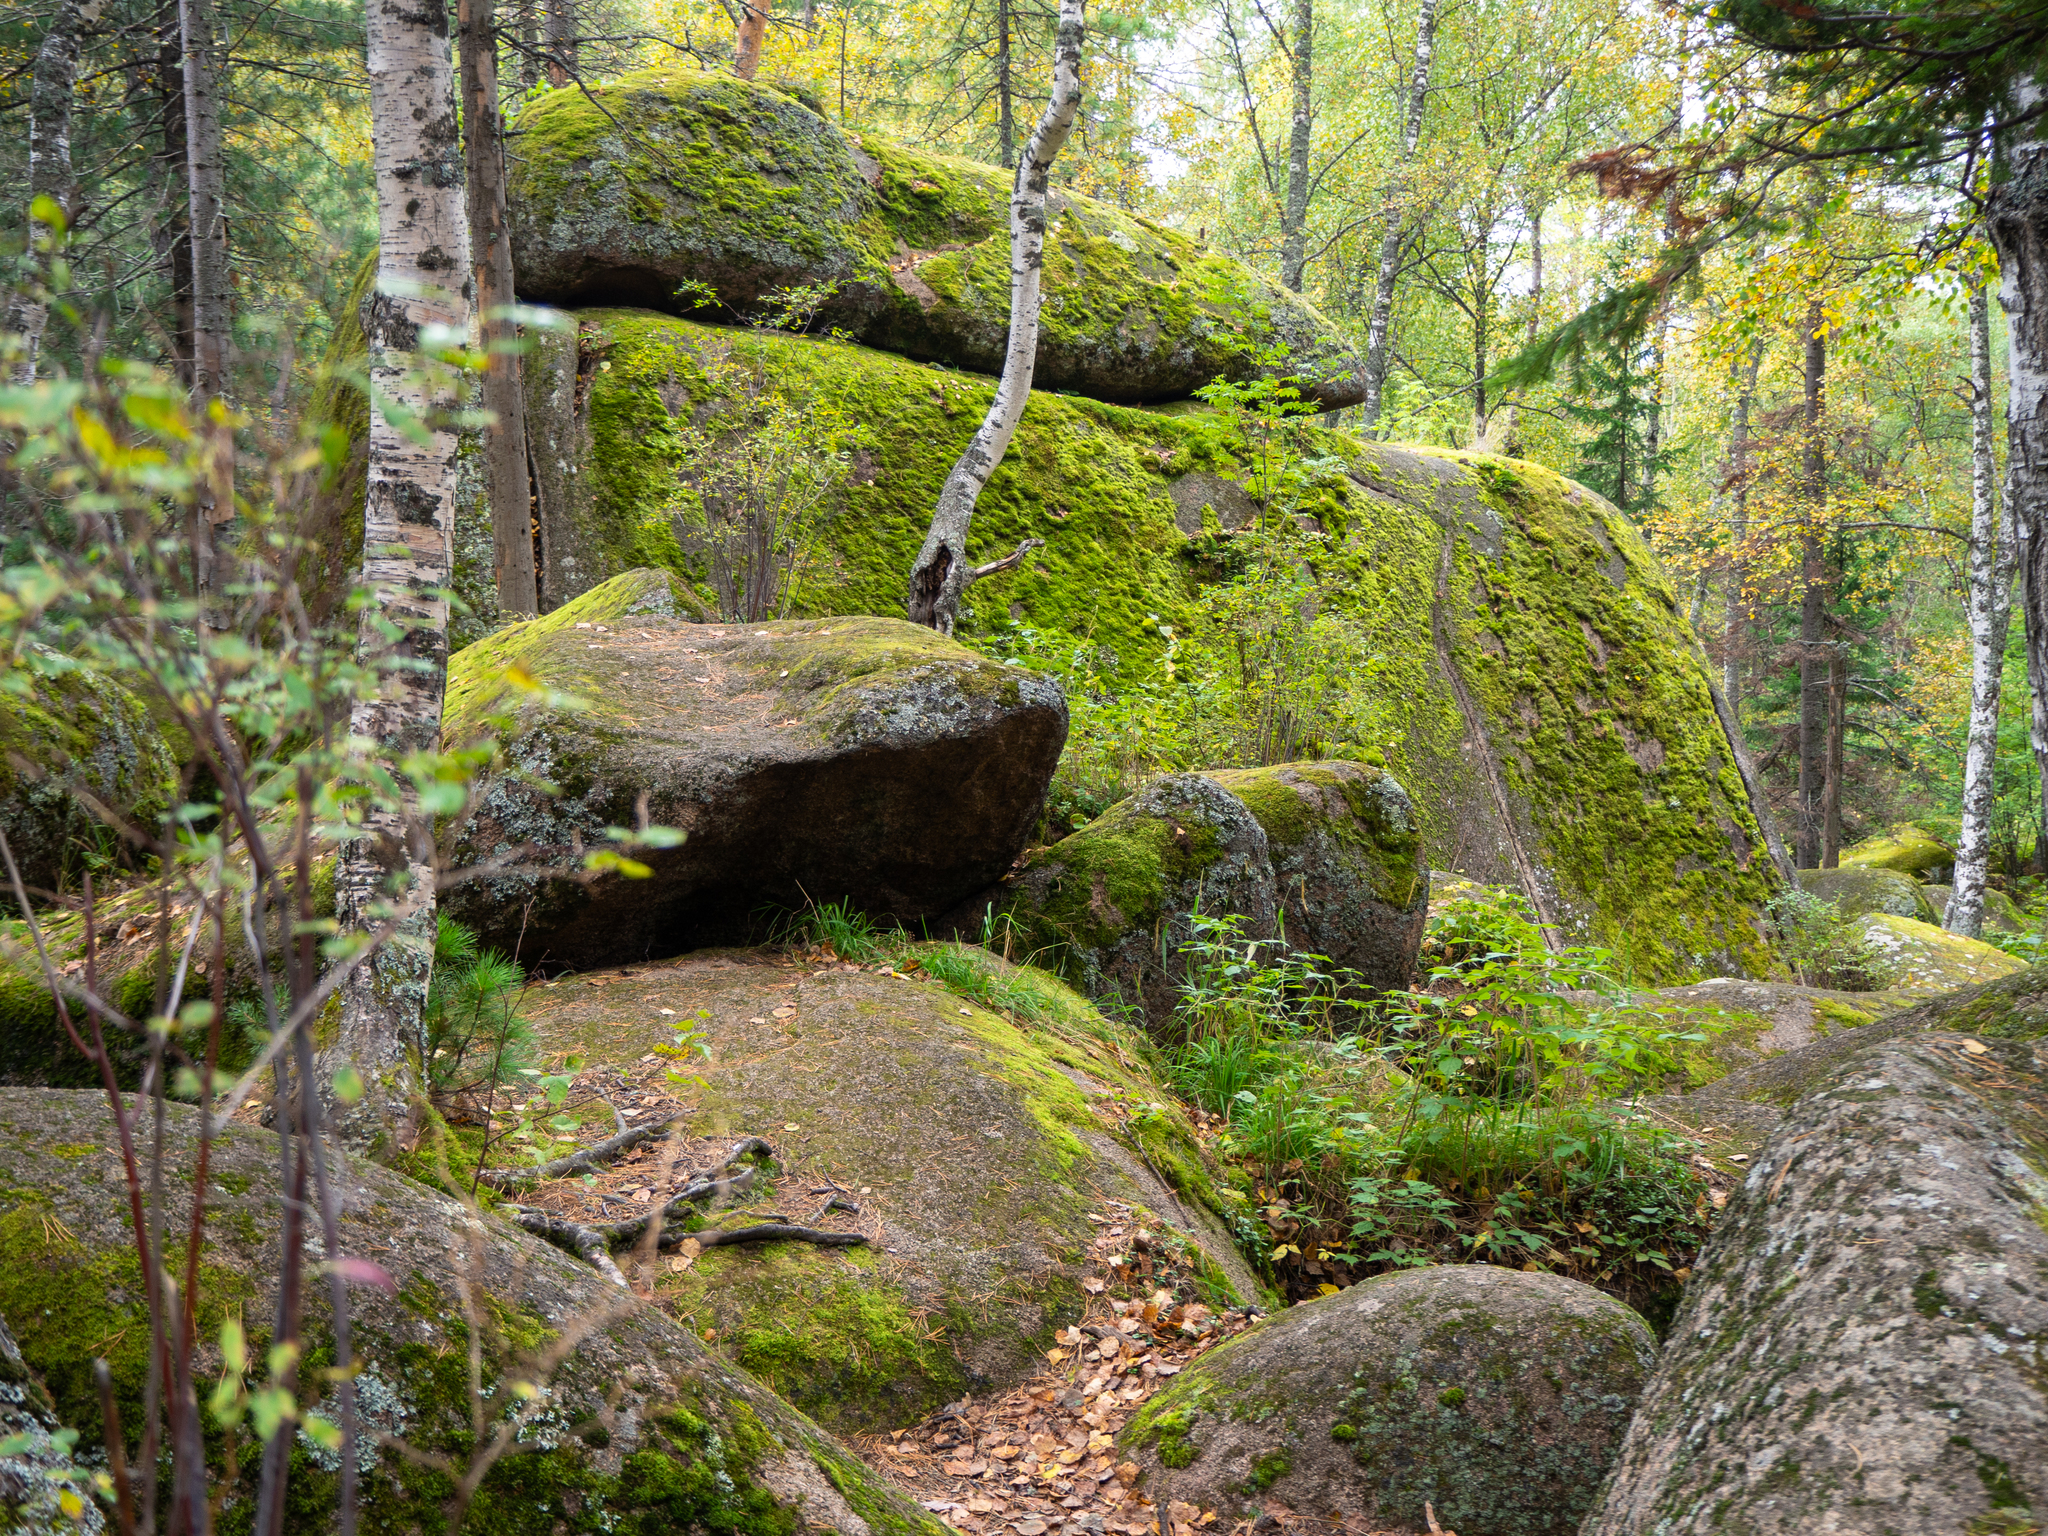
1494 1396
1862 1344
1926 956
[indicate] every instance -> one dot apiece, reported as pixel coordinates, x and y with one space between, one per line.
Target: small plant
840 927
475 1041
1822 948
968 972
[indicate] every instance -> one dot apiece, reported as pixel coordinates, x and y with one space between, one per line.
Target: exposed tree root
767 1232
589 1158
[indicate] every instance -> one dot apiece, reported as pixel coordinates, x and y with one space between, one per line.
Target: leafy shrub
1822 948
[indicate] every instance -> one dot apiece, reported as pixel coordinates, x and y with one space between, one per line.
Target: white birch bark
51 89
2018 220
423 273
1990 616
942 573
1396 219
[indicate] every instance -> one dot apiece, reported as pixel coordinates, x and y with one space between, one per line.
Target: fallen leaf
1030 1528
786 1011
1975 1048
960 1469
1127 1471
1007 1452
1094 1285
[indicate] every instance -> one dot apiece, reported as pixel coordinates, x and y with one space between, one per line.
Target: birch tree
421 300
1394 226
1990 615
1301 123
941 574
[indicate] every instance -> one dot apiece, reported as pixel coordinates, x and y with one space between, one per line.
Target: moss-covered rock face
1857 889
1347 862
641 1429
806 761
1497 1397
74 732
1535 689
1927 956
37 1471
1908 848
1110 904
2001 914
1890 1244
975 1142
663 178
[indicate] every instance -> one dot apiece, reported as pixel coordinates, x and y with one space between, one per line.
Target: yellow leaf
72 1505
94 437
1326 1289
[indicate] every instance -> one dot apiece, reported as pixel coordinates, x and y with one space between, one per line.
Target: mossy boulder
38 1469
1923 955
1856 889
976 1130
1862 1344
627 192
1533 684
1112 906
1496 1397
1908 848
863 759
2001 913
1347 863
70 734
641 1428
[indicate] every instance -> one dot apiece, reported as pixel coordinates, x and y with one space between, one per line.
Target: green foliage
840 927
474 1039
1822 948
1462 1122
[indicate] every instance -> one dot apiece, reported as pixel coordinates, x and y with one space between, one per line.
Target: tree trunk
1736 621
172 235
561 42
753 30
408 536
490 246
942 573
1395 220
1006 112
206 178
1838 730
54 82
1813 712
1479 340
1294 216
2019 229
1990 613
529 45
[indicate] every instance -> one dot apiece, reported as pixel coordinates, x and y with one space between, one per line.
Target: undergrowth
1822 948
1478 1118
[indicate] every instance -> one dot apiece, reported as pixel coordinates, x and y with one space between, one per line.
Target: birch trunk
51 89
490 243
1813 711
408 532
1294 216
1990 613
1396 223
2019 229
1736 617
206 185
941 574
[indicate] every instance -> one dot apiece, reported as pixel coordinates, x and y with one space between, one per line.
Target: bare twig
1009 562
577 1162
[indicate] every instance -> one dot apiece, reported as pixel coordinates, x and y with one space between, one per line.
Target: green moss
1450 1397
1839 1014
1906 848
1268 1470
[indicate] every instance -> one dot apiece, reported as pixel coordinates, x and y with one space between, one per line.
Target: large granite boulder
2001 913
1347 863
986 1134
625 193
1494 1397
1326 855
1910 849
71 735
806 761
1924 955
1526 671
1862 1345
1856 889
643 1428
1111 906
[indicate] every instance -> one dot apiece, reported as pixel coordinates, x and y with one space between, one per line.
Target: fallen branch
1009 562
578 1162
767 1232
587 1243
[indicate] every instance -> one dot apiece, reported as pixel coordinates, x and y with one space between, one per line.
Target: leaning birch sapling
942 574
